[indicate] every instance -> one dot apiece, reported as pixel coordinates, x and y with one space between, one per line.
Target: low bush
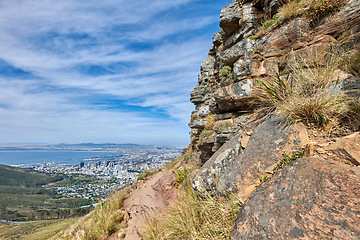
226 76
206 90
210 120
181 175
204 134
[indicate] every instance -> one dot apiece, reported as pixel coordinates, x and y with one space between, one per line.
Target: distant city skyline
112 71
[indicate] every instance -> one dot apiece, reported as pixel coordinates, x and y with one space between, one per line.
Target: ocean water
28 158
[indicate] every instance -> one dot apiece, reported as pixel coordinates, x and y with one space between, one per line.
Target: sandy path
150 196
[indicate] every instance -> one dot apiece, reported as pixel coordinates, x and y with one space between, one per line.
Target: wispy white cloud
144 54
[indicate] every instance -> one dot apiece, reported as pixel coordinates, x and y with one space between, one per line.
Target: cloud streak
108 71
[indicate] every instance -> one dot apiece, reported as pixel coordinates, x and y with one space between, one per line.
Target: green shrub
181 175
206 90
273 91
204 134
272 22
210 120
287 158
264 179
226 76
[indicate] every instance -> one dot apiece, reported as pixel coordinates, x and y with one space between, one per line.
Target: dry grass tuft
101 222
309 94
148 173
195 216
310 9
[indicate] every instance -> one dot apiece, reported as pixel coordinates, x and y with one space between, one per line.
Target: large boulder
229 171
236 96
293 36
206 69
197 95
217 165
229 17
254 68
310 198
244 48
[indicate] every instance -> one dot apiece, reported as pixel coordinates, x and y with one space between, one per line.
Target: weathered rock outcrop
241 54
311 198
233 169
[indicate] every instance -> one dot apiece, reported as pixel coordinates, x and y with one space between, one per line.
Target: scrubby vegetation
181 175
221 126
226 76
40 230
210 121
314 10
286 158
12 176
321 8
310 93
147 173
23 196
101 222
195 216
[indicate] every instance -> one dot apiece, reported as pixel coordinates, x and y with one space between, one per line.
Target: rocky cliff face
241 53
238 147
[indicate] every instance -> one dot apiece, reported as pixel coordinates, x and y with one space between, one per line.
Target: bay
28 158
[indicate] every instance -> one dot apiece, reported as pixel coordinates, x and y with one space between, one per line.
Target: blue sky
117 71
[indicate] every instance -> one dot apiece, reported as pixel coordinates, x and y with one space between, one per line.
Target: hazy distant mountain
79 146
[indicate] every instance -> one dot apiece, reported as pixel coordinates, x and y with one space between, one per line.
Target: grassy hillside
35 230
12 176
23 197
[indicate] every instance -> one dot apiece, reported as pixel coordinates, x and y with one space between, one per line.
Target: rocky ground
146 200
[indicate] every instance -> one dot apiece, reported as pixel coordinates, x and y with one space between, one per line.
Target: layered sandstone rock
311 198
238 170
250 56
